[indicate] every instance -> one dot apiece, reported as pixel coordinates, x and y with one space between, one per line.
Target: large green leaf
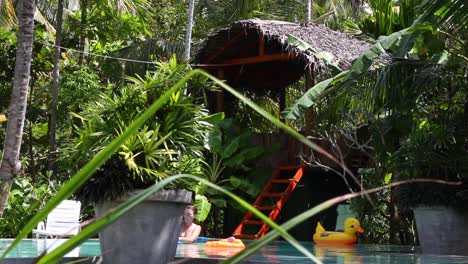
214 118
203 207
299 107
384 43
243 184
325 56
219 202
245 154
215 140
231 148
360 65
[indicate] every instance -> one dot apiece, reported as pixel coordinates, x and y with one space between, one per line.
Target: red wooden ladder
271 209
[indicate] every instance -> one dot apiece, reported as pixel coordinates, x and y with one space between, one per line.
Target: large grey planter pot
442 230
148 233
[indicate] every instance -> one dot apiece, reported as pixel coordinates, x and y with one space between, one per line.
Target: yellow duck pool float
351 226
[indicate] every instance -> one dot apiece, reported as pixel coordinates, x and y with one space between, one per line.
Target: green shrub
25 200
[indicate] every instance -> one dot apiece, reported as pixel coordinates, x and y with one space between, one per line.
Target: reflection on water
276 252
221 252
189 250
345 254
282 252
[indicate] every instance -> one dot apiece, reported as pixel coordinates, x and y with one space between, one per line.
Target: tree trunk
188 35
10 165
55 87
308 11
32 161
394 223
4 193
84 20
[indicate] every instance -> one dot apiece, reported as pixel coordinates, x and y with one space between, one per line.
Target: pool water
276 252
31 248
283 252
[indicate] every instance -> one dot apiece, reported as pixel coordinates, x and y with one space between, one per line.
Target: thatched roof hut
255 54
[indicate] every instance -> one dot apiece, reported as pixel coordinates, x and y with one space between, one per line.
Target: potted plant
440 210
172 142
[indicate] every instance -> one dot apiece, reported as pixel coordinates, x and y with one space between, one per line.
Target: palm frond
48 12
452 14
7 14
405 88
149 50
41 19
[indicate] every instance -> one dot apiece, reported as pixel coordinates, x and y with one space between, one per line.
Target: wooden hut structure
255 55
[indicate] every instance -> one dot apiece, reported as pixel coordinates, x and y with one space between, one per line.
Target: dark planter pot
148 233
442 230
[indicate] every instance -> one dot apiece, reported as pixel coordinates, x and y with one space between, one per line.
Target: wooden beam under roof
226 45
259 59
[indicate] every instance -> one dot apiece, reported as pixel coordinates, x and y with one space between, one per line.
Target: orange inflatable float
224 247
230 242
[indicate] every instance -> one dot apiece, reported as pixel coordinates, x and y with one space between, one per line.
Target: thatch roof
241 40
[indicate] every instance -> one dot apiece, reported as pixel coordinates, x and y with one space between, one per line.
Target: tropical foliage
26 199
230 163
411 111
406 96
172 142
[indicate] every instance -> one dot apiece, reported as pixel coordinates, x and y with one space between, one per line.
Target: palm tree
140 7
188 35
308 10
84 17
10 164
55 86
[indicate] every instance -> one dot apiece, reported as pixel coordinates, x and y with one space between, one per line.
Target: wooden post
261 44
220 94
282 102
309 82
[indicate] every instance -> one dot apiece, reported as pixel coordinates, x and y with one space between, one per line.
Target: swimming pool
31 248
276 252
282 252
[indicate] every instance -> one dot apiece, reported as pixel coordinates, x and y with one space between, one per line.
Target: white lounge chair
63 221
